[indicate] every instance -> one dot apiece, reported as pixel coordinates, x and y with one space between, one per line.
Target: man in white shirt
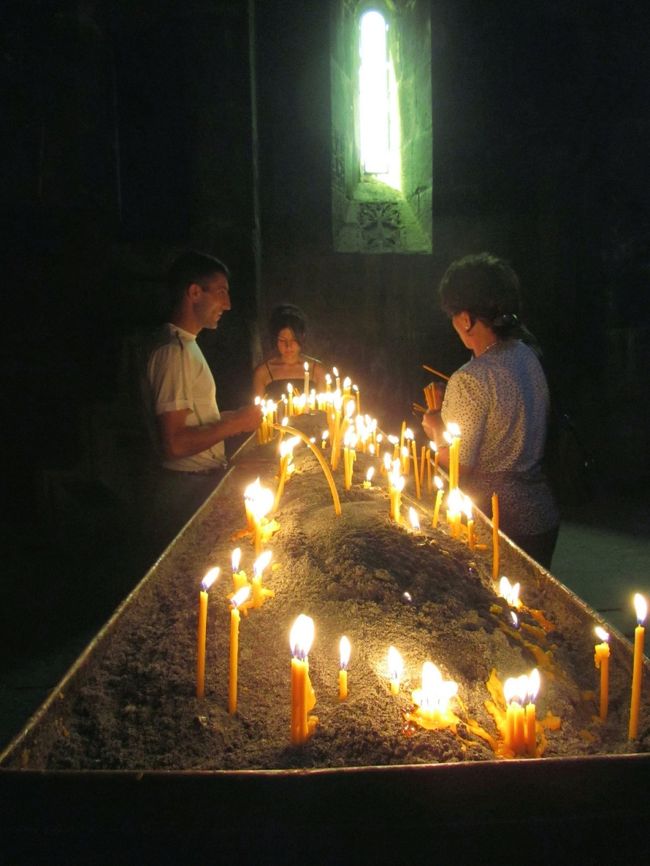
188 428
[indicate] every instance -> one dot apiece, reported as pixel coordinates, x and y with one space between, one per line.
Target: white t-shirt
179 378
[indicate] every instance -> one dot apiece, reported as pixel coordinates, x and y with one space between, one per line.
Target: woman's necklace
487 348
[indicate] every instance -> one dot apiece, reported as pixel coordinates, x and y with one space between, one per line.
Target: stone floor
603 556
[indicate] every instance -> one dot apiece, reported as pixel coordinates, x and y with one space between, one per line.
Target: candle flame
454 429
395 663
514 618
601 634
413 518
335 371
344 652
534 682
350 407
433 446
370 473
455 501
641 608
408 433
387 461
325 435
284 422
467 507
305 366
435 694
289 388
262 502
240 596
438 482
210 577
251 491
235 559
301 636
347 382
509 591
261 562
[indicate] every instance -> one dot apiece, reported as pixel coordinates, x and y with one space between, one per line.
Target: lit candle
433 699
239 578
439 495
302 694
238 598
305 389
369 474
454 511
452 435
290 397
531 715
260 507
260 593
495 536
471 541
344 656
328 383
323 439
395 669
206 583
250 493
357 396
337 378
601 660
414 520
514 692
641 609
509 591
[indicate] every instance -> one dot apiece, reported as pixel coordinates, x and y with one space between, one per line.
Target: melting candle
369 475
601 660
531 715
395 669
302 695
239 578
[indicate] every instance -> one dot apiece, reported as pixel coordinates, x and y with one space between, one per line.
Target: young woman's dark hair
288 316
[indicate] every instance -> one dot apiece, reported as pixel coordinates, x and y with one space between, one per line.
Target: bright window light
379 123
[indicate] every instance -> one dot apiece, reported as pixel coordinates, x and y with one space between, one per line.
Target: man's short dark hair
192 267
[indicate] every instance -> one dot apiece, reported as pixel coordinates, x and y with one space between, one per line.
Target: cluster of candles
349 431
243 597
510 592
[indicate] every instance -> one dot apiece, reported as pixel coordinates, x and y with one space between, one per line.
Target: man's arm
177 440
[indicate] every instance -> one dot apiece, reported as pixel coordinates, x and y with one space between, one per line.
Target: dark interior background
135 129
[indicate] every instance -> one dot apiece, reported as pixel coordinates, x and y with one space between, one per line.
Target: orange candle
302 694
260 592
531 713
344 656
416 473
495 536
238 598
641 608
239 578
206 583
601 660
439 495
395 669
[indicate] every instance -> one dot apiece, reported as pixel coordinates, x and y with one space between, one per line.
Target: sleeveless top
274 389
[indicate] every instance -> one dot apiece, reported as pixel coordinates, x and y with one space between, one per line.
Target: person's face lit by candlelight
288 346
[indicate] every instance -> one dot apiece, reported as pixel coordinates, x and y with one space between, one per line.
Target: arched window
378 104
382 179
